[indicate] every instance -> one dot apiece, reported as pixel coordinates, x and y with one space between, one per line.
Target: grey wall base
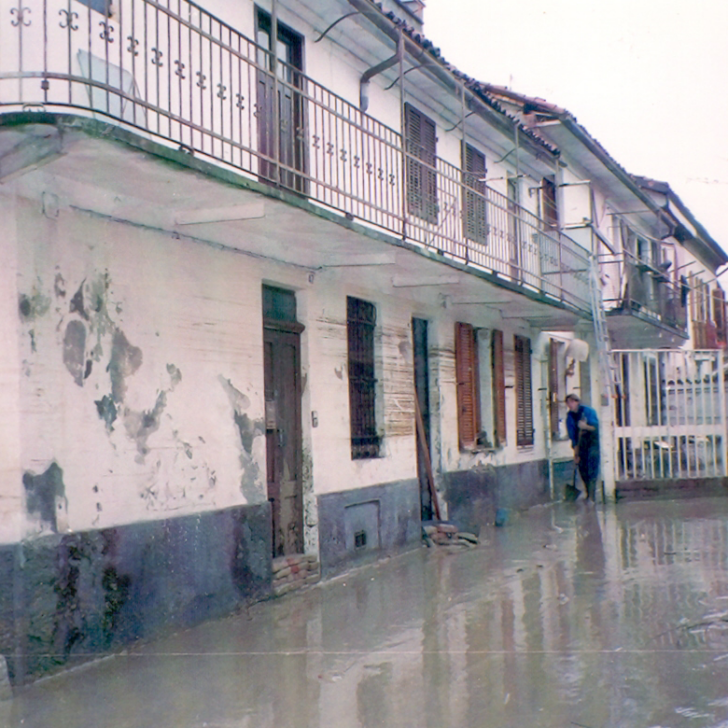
360 525
67 597
473 496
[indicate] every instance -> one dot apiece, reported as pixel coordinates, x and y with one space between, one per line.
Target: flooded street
567 616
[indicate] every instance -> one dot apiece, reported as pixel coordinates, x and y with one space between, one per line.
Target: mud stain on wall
33 306
250 481
74 350
41 492
124 361
140 425
107 411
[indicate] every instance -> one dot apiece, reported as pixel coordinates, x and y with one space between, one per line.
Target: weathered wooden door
283 436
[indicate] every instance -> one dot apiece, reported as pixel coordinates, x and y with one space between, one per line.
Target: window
468 394
524 400
475 220
719 316
499 388
361 319
420 143
549 210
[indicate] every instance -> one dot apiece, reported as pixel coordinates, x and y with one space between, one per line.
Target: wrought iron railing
635 287
170 69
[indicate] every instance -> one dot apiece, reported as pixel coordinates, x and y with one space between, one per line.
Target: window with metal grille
468 394
499 388
524 399
475 221
420 144
361 319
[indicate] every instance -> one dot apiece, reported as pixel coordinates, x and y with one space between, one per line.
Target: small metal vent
360 539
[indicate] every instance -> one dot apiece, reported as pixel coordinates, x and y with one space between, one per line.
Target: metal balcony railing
171 70
635 286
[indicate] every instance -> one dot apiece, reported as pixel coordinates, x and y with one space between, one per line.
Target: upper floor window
420 145
361 319
475 221
524 398
549 208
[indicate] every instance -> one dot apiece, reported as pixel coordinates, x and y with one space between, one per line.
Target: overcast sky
647 78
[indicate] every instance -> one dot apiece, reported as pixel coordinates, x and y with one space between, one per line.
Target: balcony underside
102 169
630 328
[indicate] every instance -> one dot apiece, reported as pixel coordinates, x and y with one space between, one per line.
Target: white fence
670 415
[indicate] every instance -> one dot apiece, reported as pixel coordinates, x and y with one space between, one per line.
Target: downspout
367 76
274 70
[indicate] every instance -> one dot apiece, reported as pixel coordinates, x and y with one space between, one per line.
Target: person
582 425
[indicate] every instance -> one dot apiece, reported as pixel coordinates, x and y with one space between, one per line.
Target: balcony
171 72
637 293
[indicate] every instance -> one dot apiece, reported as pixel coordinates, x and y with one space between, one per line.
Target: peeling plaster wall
11 494
141 372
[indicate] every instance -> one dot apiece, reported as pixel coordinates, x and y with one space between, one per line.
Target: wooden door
283 437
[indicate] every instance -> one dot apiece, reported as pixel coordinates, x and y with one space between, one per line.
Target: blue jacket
572 418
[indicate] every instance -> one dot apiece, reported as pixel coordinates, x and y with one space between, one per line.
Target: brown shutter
554 387
499 388
524 400
466 366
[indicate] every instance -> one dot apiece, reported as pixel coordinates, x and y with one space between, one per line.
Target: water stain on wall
124 361
107 411
140 425
41 492
250 482
33 306
74 350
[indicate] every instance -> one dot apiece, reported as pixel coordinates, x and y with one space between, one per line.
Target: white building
235 279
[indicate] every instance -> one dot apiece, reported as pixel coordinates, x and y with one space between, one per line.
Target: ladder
607 366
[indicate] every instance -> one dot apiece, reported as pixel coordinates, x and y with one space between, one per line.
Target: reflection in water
571 615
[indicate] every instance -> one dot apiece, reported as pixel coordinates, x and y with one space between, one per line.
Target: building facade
279 281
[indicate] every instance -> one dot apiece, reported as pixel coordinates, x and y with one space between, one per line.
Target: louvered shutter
499 388
524 400
554 387
466 366
421 144
474 207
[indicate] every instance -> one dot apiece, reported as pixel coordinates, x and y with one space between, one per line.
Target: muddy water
568 616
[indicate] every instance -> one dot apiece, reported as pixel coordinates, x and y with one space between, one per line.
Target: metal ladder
607 366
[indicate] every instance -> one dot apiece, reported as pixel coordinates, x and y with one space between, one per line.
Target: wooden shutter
524 400
554 387
499 388
421 144
474 206
466 368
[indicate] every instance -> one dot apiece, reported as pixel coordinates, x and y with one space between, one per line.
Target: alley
567 616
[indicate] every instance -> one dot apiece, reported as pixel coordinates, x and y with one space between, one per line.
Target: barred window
361 319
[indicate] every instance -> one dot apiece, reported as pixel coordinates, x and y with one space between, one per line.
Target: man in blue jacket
582 425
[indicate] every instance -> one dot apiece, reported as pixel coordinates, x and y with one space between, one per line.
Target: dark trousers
589 469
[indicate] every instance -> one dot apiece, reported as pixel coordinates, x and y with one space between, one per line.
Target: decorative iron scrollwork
201 80
157 59
180 69
106 31
133 43
342 155
316 141
357 161
241 101
221 89
20 18
69 17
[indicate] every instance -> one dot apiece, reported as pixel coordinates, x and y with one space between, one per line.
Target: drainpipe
274 70
375 70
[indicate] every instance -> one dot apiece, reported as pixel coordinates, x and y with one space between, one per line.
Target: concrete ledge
673 488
